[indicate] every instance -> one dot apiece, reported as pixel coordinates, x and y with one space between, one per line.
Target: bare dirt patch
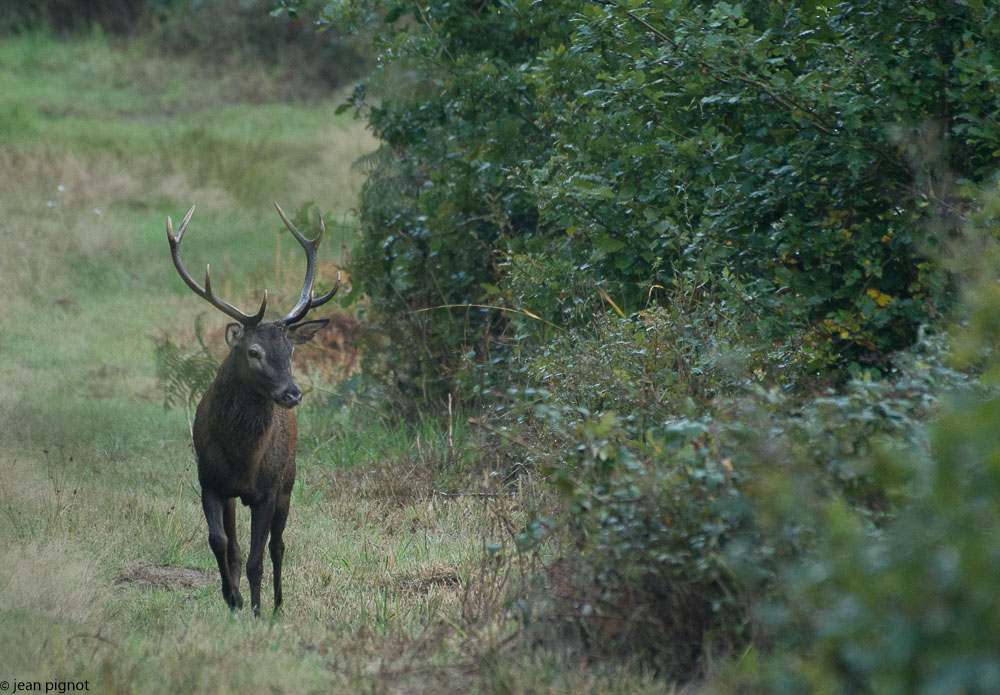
150 575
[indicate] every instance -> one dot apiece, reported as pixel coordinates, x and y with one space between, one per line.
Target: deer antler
206 291
307 299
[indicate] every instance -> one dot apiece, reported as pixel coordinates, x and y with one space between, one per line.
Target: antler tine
184 224
307 300
206 291
295 232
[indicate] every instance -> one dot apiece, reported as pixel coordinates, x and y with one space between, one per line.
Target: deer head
260 358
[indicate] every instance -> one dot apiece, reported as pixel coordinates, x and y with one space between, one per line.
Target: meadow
105 571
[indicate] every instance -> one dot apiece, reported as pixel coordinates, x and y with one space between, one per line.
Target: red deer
245 429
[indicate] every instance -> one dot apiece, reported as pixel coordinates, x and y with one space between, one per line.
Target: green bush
439 209
690 486
544 154
906 607
729 136
703 242
904 603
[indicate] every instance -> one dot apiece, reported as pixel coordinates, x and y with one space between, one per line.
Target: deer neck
244 413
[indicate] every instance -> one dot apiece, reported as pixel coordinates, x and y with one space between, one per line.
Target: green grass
97 147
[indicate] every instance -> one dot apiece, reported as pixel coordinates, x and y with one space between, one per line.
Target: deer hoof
235 601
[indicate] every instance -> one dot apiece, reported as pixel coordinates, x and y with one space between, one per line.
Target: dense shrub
909 608
703 238
440 210
809 148
907 604
546 153
685 509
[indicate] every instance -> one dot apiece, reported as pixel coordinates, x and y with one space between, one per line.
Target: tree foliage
547 152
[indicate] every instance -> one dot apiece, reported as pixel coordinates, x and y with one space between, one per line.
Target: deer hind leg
261 516
277 544
218 540
233 554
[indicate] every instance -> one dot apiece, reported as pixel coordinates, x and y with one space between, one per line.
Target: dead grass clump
150 575
181 185
436 576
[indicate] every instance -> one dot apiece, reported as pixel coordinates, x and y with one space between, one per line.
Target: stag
245 429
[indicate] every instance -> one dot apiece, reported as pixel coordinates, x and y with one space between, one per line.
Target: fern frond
183 375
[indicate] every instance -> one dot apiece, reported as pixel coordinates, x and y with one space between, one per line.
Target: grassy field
105 571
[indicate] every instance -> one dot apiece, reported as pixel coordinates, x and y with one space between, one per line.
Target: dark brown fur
245 430
245 445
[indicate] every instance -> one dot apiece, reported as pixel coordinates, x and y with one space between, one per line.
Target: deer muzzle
289 398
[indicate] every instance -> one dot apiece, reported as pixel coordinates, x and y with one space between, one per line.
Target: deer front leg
261 516
213 505
233 553
277 544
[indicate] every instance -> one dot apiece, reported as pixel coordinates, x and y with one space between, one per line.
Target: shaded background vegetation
304 62
710 289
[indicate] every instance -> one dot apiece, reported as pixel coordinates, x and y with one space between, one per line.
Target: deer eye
254 352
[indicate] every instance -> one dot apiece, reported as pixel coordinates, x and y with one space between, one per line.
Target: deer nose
290 397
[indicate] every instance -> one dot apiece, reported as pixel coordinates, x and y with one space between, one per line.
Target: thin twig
427 23
451 431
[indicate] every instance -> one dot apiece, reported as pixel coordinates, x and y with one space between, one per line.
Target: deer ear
234 332
304 332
